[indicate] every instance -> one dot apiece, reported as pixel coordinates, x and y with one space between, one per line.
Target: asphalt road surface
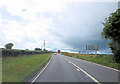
66 69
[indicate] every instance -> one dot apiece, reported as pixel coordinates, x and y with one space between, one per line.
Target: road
66 69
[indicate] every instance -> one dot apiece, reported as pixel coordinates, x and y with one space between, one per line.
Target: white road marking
77 69
107 67
42 71
84 72
102 65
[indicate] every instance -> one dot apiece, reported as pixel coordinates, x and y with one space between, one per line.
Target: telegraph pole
96 49
44 45
87 49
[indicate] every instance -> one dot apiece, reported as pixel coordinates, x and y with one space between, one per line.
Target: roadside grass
106 60
16 69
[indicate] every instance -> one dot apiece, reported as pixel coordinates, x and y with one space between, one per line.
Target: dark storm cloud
82 25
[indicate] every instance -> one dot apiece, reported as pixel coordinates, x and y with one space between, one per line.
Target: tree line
10 45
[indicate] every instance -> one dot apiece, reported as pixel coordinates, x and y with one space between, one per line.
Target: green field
106 60
16 69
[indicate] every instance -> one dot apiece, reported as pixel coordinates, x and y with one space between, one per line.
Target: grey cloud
82 25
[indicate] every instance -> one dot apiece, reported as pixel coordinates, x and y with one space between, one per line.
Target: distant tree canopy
38 49
111 31
9 46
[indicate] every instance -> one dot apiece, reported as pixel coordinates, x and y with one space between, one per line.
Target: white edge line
101 65
42 70
84 72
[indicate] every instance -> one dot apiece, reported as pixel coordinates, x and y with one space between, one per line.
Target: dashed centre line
78 68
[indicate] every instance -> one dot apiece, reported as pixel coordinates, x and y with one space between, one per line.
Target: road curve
66 69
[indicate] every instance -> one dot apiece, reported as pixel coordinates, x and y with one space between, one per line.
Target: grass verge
16 69
106 60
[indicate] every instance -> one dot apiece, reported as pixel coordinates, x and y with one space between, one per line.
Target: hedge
15 52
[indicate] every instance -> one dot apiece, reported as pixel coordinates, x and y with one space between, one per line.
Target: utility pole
44 45
96 48
87 49
81 47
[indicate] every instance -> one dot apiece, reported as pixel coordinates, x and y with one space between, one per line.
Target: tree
38 49
9 46
111 31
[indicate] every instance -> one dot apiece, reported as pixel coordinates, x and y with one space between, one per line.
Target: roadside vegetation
17 52
106 60
16 69
111 32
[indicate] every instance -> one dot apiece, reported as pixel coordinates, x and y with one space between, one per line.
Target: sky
68 25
